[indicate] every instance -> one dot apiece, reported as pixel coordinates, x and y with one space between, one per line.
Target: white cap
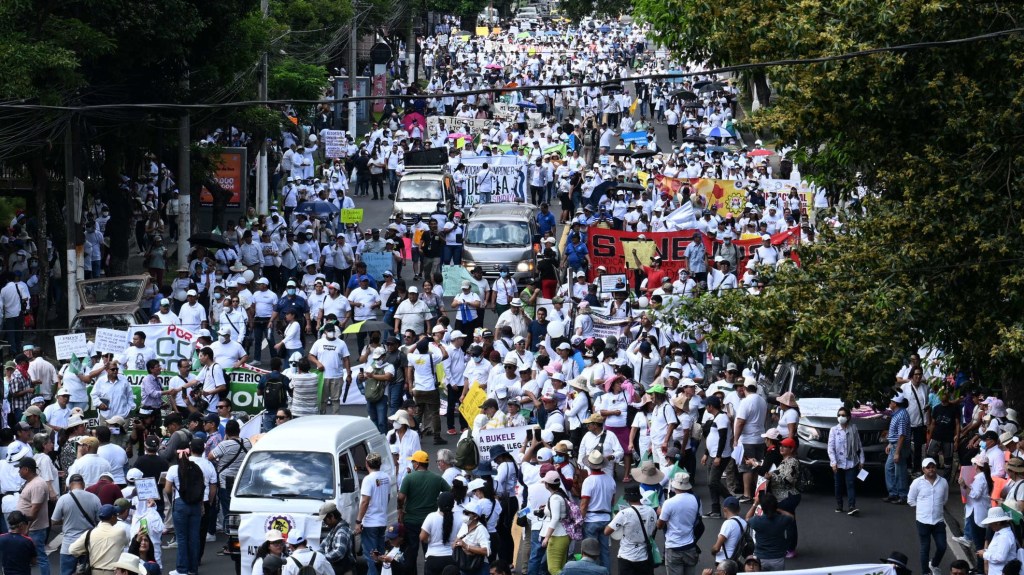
766 238
165 301
192 292
224 330
414 289
457 334
438 329
310 262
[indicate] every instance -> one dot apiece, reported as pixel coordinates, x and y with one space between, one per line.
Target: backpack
192 482
275 395
373 389
745 546
467 454
306 569
573 522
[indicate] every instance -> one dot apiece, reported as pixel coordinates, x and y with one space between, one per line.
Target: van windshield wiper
291 495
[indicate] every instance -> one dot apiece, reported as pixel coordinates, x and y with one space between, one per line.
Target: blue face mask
291 291
559 458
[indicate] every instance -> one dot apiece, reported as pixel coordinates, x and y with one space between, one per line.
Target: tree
931 259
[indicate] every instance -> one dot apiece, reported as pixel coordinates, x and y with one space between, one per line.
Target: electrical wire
667 76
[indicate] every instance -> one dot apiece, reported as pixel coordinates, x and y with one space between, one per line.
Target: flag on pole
632 107
75 366
196 366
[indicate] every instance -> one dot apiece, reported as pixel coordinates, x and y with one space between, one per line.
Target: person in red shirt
654 273
105 489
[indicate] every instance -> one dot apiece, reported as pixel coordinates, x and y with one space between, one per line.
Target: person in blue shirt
897 478
545 220
17 550
359 270
576 255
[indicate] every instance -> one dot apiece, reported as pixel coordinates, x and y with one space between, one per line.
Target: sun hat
681 482
648 473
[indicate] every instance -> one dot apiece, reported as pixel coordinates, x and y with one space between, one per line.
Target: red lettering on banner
606 249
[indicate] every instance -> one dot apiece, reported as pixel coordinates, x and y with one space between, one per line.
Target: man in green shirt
417 498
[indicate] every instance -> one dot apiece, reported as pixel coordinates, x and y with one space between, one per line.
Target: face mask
843 420
504 274
477 358
588 362
223 339
396 425
559 458
330 334
217 296
291 291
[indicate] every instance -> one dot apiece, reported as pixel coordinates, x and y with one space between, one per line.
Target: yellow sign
481 30
644 252
352 216
470 407
724 194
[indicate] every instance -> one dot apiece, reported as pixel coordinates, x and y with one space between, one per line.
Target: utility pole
262 177
74 267
353 40
184 181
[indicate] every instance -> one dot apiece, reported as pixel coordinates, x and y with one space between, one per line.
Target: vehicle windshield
498 234
419 191
90 323
294 475
118 290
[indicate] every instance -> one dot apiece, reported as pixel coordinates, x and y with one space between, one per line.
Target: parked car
111 302
502 234
818 406
527 14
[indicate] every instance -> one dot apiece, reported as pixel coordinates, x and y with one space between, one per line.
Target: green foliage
932 259
293 80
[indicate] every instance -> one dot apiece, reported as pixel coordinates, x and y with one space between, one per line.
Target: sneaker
790 554
254 362
713 515
452 431
853 512
900 502
936 570
963 541
210 538
744 499
172 544
839 509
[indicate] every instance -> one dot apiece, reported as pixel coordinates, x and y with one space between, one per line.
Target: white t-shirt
331 353
376 486
753 410
117 458
136 357
227 353
423 375
209 474
434 526
364 298
633 546
732 529
292 336
212 377
721 422
787 417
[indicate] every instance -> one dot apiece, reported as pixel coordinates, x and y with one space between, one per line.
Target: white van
292 470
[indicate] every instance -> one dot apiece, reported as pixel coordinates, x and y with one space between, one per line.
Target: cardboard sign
112 340
511 438
508 175
352 216
612 282
333 146
377 264
470 407
72 343
145 489
453 278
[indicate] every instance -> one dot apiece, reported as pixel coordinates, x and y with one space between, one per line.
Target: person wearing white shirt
1003 547
211 376
928 494
57 413
227 351
421 378
749 424
112 394
598 437
719 448
331 355
678 516
89 465
192 313
412 314
188 515
137 354
114 454
846 456
635 522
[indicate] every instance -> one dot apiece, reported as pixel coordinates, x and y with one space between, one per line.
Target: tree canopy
931 259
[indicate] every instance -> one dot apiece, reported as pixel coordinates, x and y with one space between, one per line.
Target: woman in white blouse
438 534
553 534
473 538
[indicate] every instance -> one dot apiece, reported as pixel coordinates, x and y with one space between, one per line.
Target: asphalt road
826 538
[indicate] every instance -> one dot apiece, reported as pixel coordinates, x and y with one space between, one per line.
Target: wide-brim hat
996 515
595 460
788 399
896 558
681 482
130 562
648 473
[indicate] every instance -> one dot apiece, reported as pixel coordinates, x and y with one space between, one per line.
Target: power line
676 75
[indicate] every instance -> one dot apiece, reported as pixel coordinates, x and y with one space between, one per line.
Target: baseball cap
107 511
192 292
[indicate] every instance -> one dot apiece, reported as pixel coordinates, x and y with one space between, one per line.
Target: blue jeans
538 564
926 533
39 538
897 478
187 519
260 333
68 564
846 477
452 255
975 533
595 529
378 411
12 331
269 420
373 540
396 394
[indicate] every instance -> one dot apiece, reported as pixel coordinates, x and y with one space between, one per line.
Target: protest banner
470 407
253 528
865 569
453 277
145 489
511 438
508 112
509 175
377 264
456 125
170 342
352 216
111 340
610 248
72 343
608 283
638 138
333 143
